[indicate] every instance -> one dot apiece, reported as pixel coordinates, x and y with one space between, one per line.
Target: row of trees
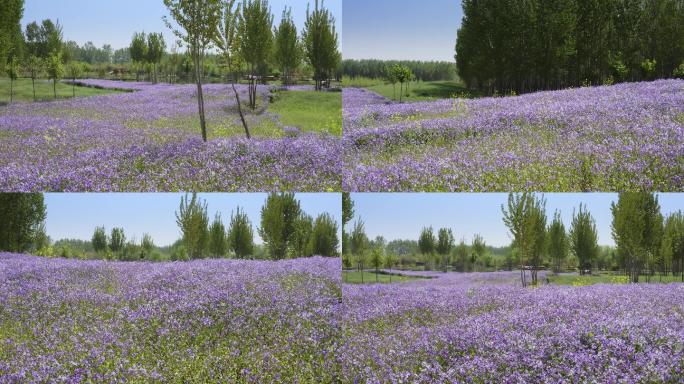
286 230
377 69
40 49
22 222
646 242
244 35
147 49
530 45
401 74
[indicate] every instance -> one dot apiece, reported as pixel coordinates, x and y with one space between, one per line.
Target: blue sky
401 216
400 29
114 21
75 215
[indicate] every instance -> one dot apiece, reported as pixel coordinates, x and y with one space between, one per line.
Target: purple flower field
149 140
205 321
624 137
484 328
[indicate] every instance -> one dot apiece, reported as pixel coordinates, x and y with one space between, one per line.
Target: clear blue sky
401 216
400 29
114 21
75 215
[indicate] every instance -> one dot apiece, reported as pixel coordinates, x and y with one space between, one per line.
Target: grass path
366 277
23 91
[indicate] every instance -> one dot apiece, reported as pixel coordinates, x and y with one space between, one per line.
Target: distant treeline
531 45
376 69
286 230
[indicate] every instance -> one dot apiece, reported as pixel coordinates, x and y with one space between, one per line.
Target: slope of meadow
195 322
484 328
149 140
623 137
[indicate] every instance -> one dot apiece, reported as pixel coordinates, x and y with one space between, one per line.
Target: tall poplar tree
256 39
198 20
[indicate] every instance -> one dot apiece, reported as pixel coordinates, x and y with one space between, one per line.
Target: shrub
679 71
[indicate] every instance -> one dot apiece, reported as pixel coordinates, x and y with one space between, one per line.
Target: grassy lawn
422 91
577 280
24 92
354 277
309 111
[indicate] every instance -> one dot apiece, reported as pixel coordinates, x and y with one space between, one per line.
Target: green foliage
376 258
74 70
288 50
44 40
671 254
193 221
320 43
33 67
55 70
11 38
679 71
540 44
179 252
479 248
426 241
525 218
12 70
117 240
358 238
583 239
146 247
198 21
325 241
255 39
445 241
302 237
401 74
240 234
558 242
347 208
138 47
22 216
376 69
648 68
99 240
278 218
156 46
637 229
218 243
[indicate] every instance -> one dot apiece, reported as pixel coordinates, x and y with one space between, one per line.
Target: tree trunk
11 89
200 100
54 88
33 85
239 105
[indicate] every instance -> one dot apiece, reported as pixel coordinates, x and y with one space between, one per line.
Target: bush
648 68
679 71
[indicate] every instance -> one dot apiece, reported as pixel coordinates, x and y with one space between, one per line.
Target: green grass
309 111
354 277
424 90
24 92
361 82
577 280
